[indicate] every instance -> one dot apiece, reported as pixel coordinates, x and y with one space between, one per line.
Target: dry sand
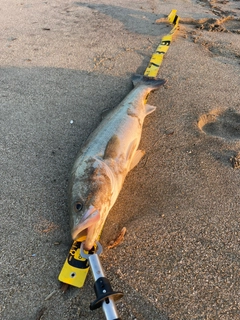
66 60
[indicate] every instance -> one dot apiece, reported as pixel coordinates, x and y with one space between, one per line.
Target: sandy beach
63 63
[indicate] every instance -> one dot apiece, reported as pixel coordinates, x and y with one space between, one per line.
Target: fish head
89 200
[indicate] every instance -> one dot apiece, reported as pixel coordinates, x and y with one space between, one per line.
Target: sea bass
102 165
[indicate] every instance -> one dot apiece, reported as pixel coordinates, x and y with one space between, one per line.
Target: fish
102 165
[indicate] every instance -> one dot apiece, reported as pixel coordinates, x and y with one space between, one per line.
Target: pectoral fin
136 158
112 148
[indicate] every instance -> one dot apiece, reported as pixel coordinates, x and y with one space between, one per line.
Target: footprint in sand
222 124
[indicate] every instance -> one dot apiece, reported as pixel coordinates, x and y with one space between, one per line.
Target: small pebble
236 161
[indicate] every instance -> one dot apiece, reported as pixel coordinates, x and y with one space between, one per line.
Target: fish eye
78 206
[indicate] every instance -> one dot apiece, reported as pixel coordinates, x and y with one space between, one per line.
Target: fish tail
150 82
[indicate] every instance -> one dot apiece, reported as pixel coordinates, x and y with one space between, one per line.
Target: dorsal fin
105 113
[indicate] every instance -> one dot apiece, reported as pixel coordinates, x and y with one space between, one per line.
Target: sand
61 64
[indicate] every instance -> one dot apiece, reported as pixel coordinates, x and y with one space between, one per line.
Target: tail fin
151 82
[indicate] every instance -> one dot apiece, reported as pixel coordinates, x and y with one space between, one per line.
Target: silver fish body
102 165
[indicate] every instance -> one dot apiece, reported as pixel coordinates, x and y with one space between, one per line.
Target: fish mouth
87 226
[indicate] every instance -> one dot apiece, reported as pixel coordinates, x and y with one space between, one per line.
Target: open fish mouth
86 225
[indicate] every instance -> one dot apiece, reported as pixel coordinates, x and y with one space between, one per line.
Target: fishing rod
105 296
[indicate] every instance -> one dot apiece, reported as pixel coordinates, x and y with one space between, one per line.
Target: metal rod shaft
110 310
108 305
